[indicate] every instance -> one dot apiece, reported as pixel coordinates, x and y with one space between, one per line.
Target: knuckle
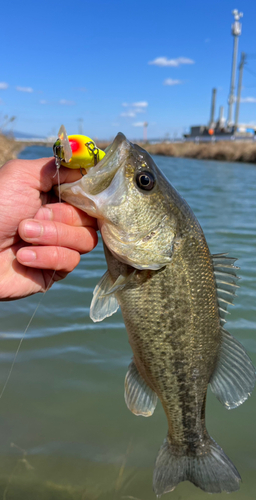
90 239
11 163
55 256
64 259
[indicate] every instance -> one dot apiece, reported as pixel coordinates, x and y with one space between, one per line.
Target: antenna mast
236 32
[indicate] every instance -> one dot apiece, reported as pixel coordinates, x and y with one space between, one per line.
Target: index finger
65 213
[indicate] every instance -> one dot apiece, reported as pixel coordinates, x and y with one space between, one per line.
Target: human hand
38 235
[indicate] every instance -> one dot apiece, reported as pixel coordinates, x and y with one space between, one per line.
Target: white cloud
65 102
134 108
138 124
170 81
139 110
164 61
129 114
140 104
248 99
3 85
24 89
43 101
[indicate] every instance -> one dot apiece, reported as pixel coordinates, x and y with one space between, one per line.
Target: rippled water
65 430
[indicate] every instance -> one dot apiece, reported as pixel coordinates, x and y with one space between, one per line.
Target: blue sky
62 61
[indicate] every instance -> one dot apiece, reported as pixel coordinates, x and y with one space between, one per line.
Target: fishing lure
76 151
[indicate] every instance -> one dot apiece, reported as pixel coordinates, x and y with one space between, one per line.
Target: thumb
40 174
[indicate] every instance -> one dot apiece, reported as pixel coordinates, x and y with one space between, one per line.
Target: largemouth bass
173 295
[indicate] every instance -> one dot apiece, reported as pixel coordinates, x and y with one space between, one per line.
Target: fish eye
145 180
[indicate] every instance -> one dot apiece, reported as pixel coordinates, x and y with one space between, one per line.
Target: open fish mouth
119 144
83 193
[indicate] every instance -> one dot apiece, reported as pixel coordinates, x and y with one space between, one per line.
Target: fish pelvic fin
208 468
139 398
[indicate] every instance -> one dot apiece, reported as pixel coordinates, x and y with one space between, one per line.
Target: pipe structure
221 122
212 123
241 67
236 32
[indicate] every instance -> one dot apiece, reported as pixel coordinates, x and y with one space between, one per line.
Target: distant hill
21 135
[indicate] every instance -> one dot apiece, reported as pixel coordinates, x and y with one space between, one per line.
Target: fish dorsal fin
226 282
140 399
234 377
103 304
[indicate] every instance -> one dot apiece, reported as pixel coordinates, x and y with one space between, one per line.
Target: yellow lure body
85 153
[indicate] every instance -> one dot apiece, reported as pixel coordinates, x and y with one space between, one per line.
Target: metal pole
80 126
236 32
145 125
232 84
241 67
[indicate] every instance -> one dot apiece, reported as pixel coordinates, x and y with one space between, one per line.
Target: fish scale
183 339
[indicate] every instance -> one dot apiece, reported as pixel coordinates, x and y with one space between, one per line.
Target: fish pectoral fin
234 377
140 399
120 283
103 304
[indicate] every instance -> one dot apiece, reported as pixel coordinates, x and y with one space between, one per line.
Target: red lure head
74 144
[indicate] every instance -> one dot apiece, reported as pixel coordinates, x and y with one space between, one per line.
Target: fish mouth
118 145
83 193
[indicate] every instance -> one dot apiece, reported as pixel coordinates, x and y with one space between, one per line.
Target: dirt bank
222 151
9 149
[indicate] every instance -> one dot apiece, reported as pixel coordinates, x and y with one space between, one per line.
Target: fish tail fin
208 468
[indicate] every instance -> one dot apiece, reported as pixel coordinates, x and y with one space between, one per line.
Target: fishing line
38 305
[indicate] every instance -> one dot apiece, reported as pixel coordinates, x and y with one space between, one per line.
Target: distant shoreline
219 151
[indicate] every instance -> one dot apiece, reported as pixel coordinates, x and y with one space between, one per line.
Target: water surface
65 429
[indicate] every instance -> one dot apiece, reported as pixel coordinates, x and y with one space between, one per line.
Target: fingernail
27 255
32 229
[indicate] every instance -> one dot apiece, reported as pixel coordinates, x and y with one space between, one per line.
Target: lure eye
145 180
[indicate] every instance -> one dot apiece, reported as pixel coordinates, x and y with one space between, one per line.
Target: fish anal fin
139 397
234 377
